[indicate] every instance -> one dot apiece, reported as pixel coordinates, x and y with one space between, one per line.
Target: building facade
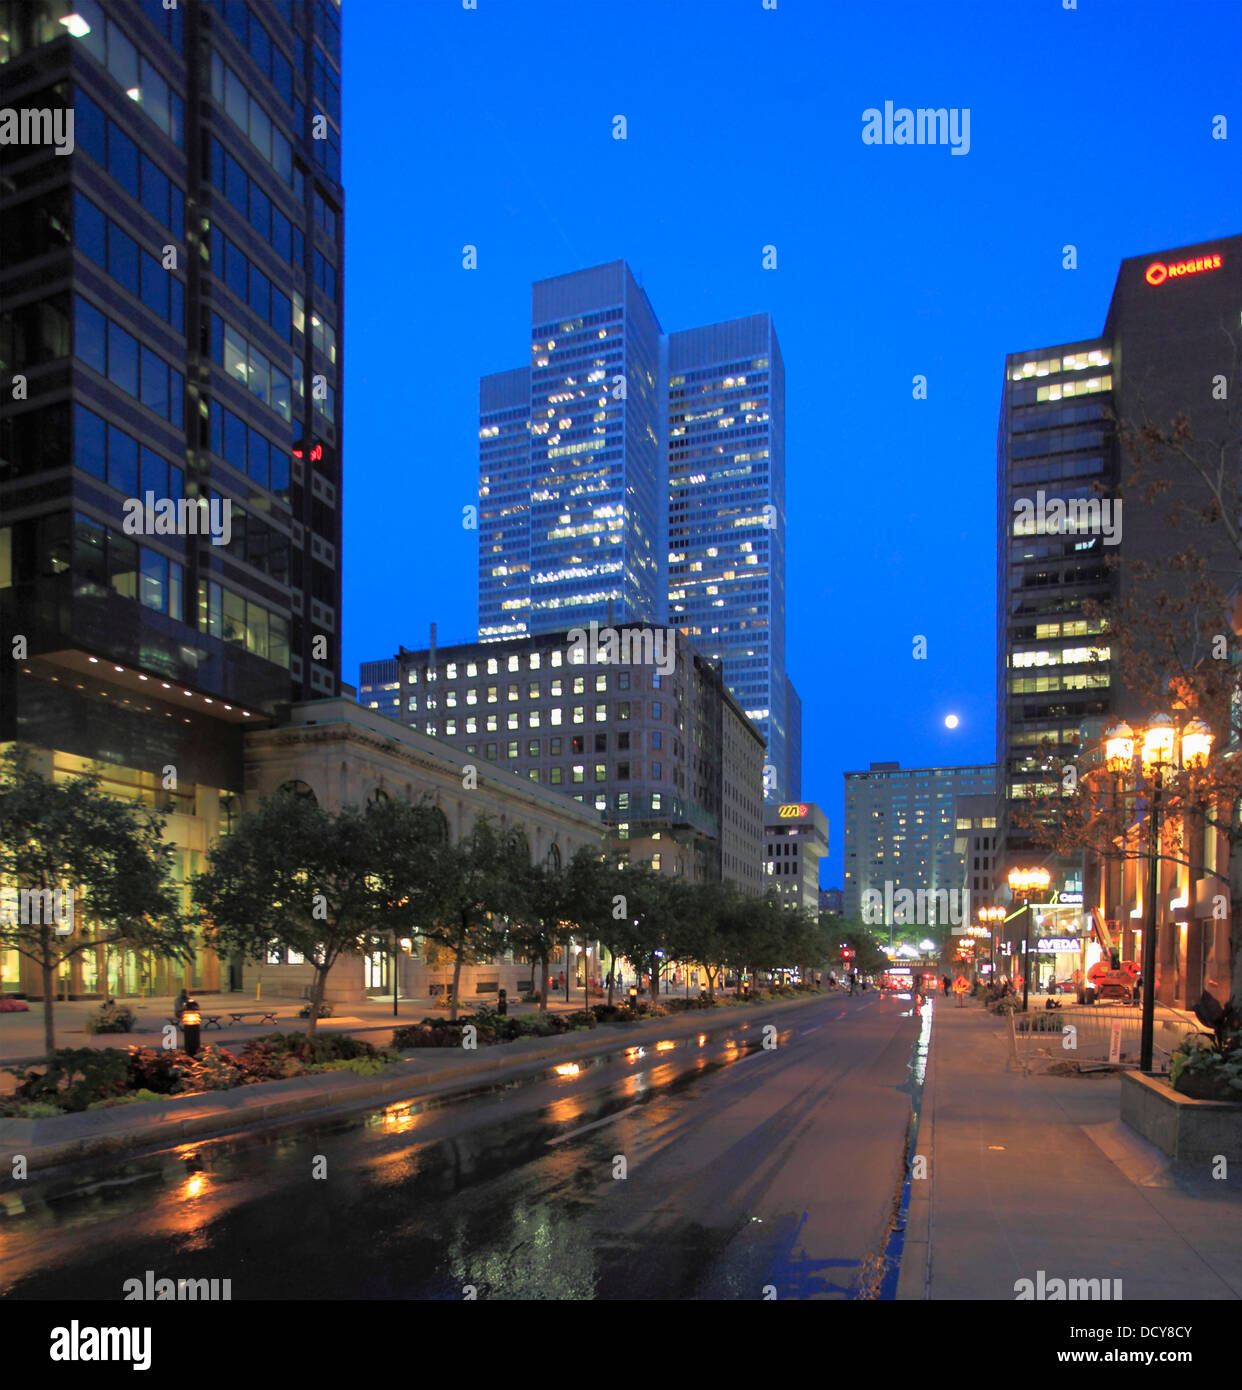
796 840
901 829
344 755
1070 527
652 740
170 487
627 475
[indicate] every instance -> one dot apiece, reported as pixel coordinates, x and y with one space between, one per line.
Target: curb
325 1092
914 1277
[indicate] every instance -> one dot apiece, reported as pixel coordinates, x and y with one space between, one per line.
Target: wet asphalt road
703 1169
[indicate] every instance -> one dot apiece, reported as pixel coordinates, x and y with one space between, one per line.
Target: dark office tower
1056 442
170 477
726 515
1170 336
591 538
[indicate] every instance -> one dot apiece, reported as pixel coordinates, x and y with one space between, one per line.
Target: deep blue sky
494 127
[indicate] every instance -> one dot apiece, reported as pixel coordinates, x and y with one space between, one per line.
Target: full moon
950 721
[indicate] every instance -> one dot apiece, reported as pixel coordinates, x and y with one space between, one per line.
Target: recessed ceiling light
207 700
76 25
143 678
166 685
95 659
190 693
119 668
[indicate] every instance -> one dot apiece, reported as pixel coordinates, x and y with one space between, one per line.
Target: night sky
1090 127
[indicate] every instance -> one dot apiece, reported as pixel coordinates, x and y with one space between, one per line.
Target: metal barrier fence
1093 1028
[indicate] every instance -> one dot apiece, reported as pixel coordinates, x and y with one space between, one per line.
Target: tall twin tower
628 475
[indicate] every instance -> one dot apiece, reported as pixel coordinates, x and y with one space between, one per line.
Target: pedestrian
944 984
182 1000
560 979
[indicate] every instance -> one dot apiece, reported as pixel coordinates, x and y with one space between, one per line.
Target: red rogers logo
1158 272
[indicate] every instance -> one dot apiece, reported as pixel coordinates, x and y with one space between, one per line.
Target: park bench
263 1015
208 1020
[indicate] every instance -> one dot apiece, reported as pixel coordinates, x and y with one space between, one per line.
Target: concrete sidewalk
1030 1173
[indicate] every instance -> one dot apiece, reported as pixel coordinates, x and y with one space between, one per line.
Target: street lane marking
595 1124
809 1031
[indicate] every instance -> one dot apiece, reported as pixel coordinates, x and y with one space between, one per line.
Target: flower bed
90 1078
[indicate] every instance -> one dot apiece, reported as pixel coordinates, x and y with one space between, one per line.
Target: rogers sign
1158 272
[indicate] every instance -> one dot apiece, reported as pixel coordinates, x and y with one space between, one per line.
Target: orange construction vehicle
1111 979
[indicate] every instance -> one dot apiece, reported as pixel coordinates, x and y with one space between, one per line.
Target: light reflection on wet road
674 1172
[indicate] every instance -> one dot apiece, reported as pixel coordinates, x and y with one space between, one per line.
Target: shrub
580 1018
1010 1004
130 1099
154 1069
1204 1071
111 1018
361 1066
76 1077
324 1010
29 1110
211 1070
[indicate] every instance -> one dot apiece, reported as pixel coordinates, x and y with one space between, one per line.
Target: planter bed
1181 1126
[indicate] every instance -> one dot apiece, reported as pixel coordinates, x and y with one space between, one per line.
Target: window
623 680
657 709
556 777
554 747
89 436
623 743
532 748
577 772
576 744
657 739
122 359
601 743
623 709
513 749
601 714
601 772
579 685
657 772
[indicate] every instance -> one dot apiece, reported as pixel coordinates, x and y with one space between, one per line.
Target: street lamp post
1022 883
991 918
1164 745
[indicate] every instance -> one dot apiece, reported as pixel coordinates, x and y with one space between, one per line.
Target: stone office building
653 742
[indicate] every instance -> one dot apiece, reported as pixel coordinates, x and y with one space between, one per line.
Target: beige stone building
343 755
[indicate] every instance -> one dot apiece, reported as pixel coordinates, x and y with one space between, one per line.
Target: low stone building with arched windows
344 755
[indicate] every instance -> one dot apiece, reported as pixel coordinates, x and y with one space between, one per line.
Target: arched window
379 794
553 858
444 825
299 788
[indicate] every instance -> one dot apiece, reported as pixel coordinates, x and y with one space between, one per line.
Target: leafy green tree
598 903
475 883
297 876
705 927
71 837
539 928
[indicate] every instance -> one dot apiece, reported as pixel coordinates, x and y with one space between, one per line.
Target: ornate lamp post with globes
1023 883
1166 746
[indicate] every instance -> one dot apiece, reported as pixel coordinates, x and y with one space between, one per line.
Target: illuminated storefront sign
1158 272
791 812
1058 944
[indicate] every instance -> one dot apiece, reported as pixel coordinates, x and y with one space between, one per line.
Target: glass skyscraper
171 292
569 527
726 515
635 477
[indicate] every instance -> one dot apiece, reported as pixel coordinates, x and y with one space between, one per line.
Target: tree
406 839
298 877
106 857
867 956
599 904
473 883
540 926
703 932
